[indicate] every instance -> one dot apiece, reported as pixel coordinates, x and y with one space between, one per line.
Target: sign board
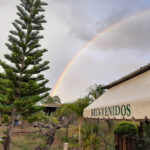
123 110
127 100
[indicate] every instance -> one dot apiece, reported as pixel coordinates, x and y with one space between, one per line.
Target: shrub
126 129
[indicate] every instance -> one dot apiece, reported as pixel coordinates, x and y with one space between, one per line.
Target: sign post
66 146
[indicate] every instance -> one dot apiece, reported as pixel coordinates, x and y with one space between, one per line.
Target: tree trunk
50 139
9 130
124 140
109 123
80 124
91 142
67 123
141 130
40 128
67 130
79 136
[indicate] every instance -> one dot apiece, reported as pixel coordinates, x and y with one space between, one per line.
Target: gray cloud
87 18
132 34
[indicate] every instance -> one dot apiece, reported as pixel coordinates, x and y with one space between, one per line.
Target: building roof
52 105
128 77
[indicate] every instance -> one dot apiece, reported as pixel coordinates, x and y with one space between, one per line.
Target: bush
146 129
143 143
126 129
73 141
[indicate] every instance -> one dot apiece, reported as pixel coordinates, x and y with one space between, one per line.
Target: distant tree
57 100
95 91
66 115
21 84
51 100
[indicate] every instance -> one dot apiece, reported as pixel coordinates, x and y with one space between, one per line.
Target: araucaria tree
21 84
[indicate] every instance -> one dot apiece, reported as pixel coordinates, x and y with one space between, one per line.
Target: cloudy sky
123 44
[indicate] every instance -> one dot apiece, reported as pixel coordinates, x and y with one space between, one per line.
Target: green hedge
127 129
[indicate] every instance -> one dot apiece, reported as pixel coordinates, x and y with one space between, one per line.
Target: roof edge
128 77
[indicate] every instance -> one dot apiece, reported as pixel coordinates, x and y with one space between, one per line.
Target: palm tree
95 91
78 107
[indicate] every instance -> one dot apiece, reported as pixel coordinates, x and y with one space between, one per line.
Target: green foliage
73 141
146 128
22 83
5 119
39 116
127 129
110 124
90 138
95 91
51 100
64 111
3 138
78 106
144 142
54 120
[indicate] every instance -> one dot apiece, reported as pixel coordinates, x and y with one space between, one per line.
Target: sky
122 44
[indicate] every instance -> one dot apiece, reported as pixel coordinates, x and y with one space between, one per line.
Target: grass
28 141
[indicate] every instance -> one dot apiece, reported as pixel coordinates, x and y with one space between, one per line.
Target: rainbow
61 77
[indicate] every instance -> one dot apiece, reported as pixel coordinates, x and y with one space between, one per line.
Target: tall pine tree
21 84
